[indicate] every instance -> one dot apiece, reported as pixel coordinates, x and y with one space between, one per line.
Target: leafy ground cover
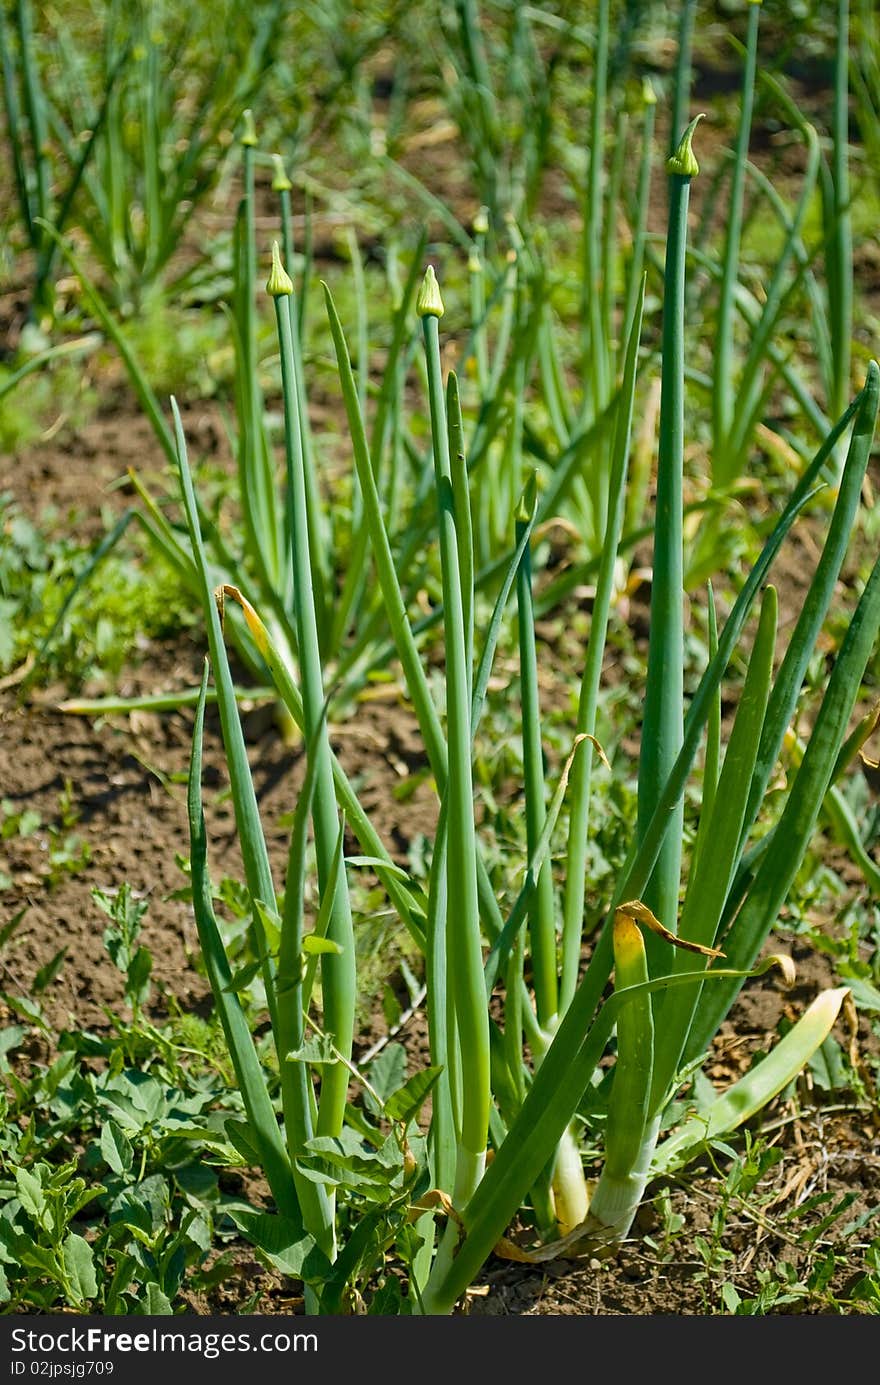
126 1186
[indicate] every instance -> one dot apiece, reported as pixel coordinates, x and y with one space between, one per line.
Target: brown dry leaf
866 728
640 912
435 1198
588 1238
781 960
19 674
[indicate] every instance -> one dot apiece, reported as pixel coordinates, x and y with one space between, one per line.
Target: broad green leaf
827 1067
318 1049
116 1148
347 1158
80 1267
34 1257
11 1037
79 1195
866 996
241 1137
154 1303
282 1242
370 1181
31 1195
387 1071
147 1094
142 1205
406 1103
139 971
271 922
241 979
124 1110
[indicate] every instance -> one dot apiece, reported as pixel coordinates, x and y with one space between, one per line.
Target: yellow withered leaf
780 960
588 1238
635 909
582 736
254 623
866 728
433 1200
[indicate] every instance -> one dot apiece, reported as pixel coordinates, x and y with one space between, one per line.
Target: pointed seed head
429 303
280 181
481 221
249 129
683 161
526 507
279 281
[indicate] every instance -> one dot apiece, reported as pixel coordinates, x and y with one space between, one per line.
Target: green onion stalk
255 480
464 960
664 692
541 924
337 967
595 365
723 397
568 1181
319 545
624 1176
838 218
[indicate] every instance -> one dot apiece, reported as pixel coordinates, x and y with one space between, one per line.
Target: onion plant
749 361
119 133
530 394
519 1016
518 1011
28 115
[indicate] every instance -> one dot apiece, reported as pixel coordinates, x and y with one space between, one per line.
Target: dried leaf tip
280 180
249 129
429 302
683 161
279 281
